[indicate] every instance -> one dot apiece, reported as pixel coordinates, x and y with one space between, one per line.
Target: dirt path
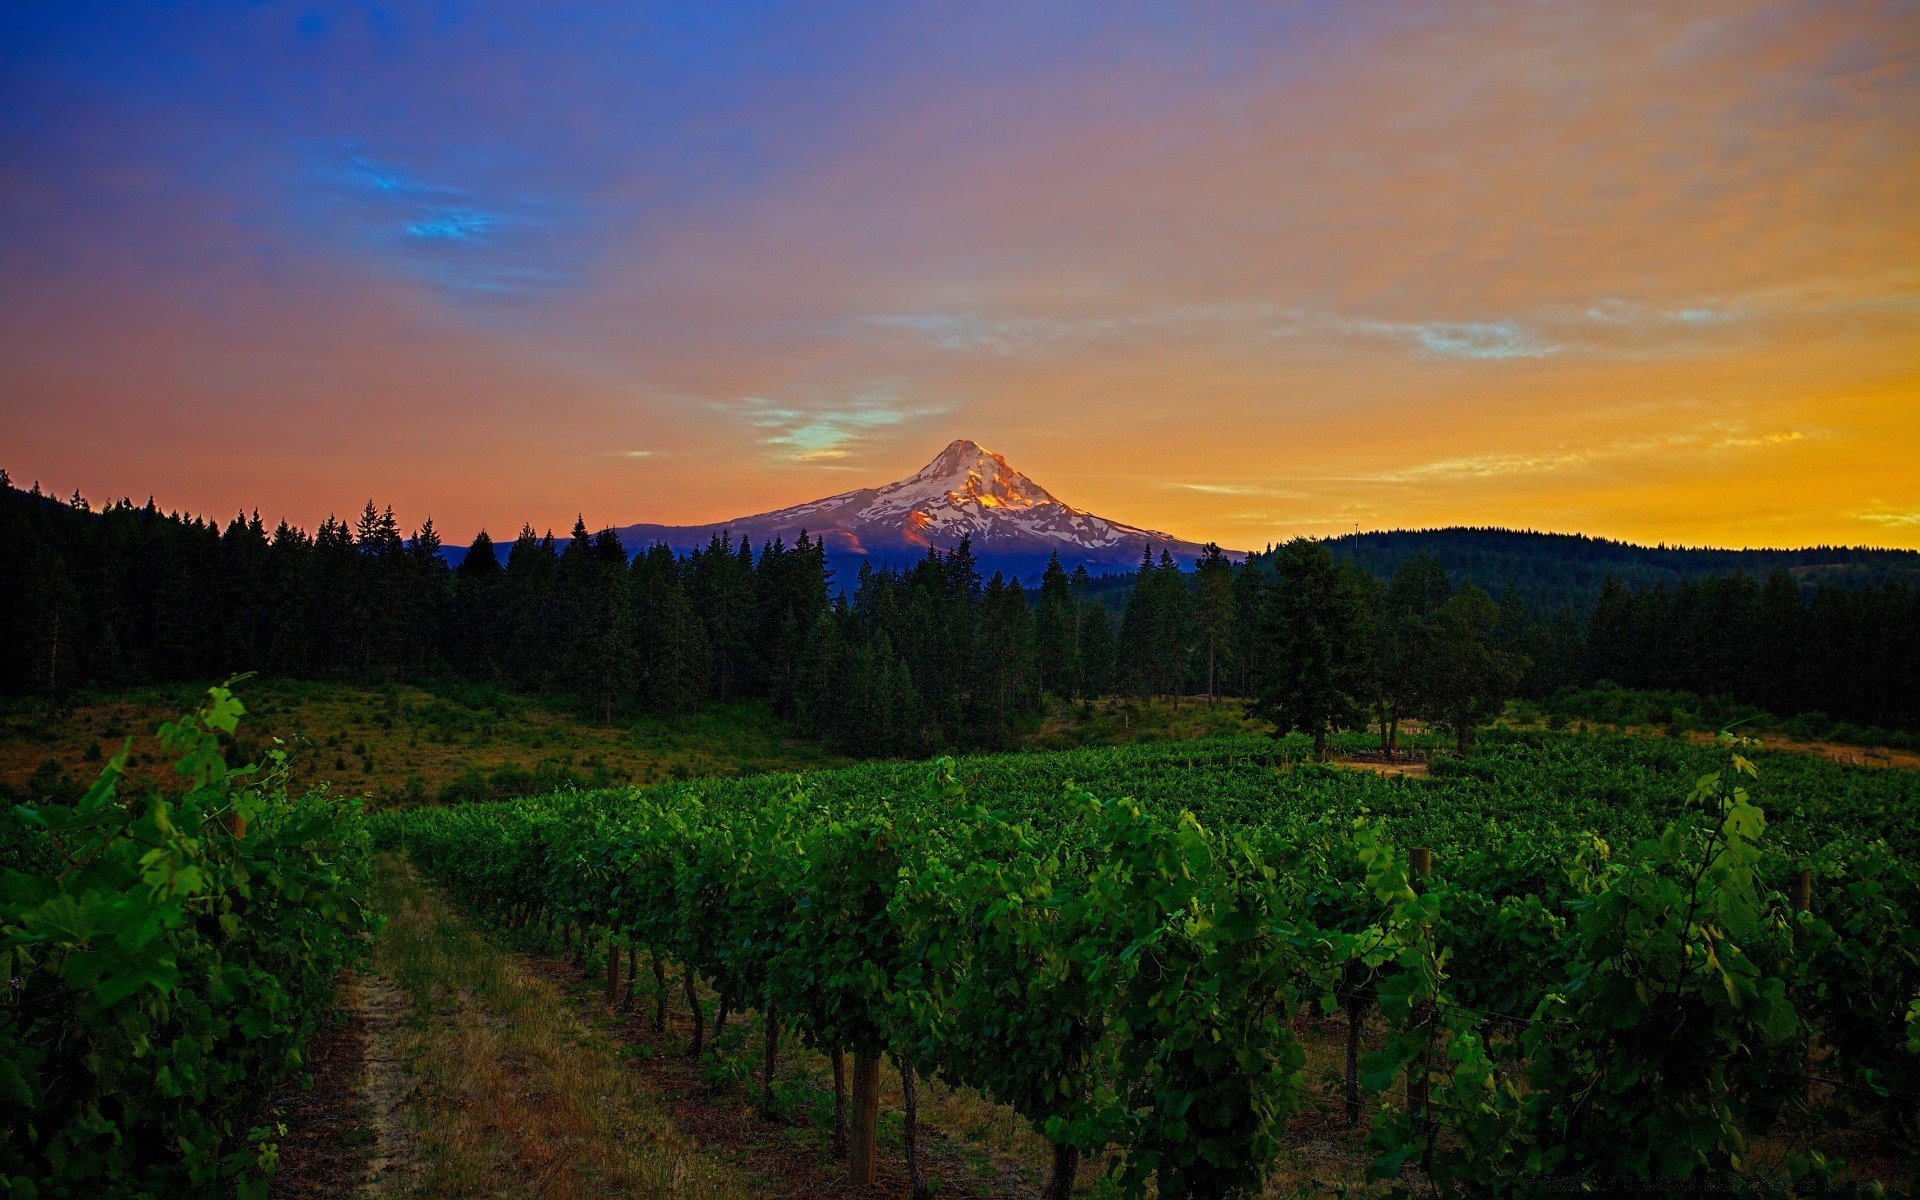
386 1089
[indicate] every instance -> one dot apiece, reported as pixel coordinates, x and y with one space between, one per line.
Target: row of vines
167 955
1562 1014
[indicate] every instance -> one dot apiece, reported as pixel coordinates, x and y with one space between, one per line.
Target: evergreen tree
474 631
1402 636
1134 656
1094 662
1056 629
1213 613
1315 619
607 655
1466 677
1008 688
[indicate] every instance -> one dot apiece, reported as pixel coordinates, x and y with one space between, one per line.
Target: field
403 744
544 945
903 864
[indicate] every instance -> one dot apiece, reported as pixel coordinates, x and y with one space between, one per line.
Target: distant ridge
1013 523
1568 569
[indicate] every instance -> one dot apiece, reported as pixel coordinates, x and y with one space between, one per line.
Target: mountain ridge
1012 523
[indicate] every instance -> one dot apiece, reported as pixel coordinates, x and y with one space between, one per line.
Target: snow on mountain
967 490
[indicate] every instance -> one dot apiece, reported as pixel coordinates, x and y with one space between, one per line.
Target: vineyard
168 956
1567 964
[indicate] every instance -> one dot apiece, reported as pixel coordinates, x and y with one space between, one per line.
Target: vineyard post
839 1102
1419 867
770 1060
613 971
659 992
1356 1008
1803 903
912 1129
1066 1164
861 1157
699 1016
633 969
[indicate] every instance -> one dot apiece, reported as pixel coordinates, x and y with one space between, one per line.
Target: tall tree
1213 613
1055 631
1402 635
1316 640
476 610
1466 675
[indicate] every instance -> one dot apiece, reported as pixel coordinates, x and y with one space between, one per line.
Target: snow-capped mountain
967 490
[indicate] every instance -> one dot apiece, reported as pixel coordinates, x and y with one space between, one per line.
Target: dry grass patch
512 1095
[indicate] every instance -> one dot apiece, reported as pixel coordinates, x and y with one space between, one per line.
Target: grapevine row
1126 976
166 960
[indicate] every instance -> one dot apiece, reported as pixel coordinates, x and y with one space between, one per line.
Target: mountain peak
966 491
967 472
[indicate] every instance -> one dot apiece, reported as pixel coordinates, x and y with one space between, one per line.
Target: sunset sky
1233 271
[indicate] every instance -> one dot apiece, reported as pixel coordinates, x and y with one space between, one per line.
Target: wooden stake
912 1130
839 1102
1420 868
659 992
699 1016
1066 1163
1356 1009
862 1156
770 1061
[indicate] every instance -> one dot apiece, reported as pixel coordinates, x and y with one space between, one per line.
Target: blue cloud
454 225
822 434
1481 339
456 238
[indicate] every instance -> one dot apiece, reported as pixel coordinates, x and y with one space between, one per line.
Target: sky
1238 272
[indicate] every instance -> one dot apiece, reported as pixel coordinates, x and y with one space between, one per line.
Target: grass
507 1090
402 744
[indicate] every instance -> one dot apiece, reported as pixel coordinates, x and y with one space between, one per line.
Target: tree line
901 659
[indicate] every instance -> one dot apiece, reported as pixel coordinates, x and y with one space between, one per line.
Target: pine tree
1008 690
474 627
1094 662
607 658
1315 623
1213 613
1134 657
1055 629
1402 642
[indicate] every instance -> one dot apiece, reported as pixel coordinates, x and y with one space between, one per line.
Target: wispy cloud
454 237
455 225
1892 519
1764 439
1562 458
1496 339
1239 489
633 454
1480 466
1468 339
805 434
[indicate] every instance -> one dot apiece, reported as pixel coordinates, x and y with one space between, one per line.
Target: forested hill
1565 570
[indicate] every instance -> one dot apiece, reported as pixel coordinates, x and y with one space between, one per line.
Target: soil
323 1154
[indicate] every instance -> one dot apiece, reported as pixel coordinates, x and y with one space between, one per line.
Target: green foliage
1317 615
169 959
1121 972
